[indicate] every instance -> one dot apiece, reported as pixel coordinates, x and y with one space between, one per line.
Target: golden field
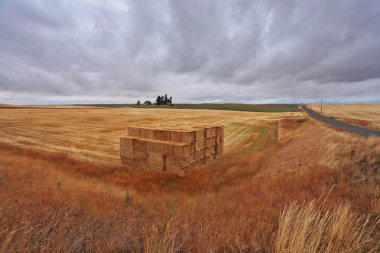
366 115
93 133
287 184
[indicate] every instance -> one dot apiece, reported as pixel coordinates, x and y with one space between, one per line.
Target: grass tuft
312 228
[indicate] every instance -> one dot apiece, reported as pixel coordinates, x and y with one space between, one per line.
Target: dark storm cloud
208 50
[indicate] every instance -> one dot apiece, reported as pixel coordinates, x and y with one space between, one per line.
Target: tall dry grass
313 228
169 239
53 203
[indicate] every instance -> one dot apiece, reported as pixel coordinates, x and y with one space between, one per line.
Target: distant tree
138 102
164 100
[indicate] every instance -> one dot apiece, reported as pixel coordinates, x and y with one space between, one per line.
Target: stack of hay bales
166 149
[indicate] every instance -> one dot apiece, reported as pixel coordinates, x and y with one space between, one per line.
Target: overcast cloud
195 50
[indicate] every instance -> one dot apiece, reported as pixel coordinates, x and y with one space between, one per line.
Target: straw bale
175 163
219 139
156 147
134 131
219 130
139 144
128 161
207 152
210 131
169 163
192 147
182 162
198 155
163 135
140 148
140 164
199 134
219 149
147 133
198 145
126 146
172 164
181 150
209 142
176 136
155 161
191 158
195 164
183 136
169 149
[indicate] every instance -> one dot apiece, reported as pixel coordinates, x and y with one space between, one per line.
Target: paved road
336 123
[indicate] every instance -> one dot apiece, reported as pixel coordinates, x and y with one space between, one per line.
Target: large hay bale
183 136
210 131
163 135
199 145
191 157
202 161
213 149
198 155
126 146
171 150
181 150
209 142
147 133
156 161
219 151
128 161
199 134
134 131
219 139
207 152
175 163
191 147
140 164
183 162
171 164
156 146
140 148
219 130
219 148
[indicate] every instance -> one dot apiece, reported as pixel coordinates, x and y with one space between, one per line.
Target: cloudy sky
66 51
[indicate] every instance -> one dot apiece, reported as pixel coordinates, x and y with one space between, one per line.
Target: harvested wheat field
62 188
94 133
365 115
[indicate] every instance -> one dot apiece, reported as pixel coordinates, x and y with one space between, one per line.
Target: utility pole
321 104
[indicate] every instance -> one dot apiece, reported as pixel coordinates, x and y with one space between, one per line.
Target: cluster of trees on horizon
164 100
160 100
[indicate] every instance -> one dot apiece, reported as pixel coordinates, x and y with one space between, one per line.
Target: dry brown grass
311 228
53 203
